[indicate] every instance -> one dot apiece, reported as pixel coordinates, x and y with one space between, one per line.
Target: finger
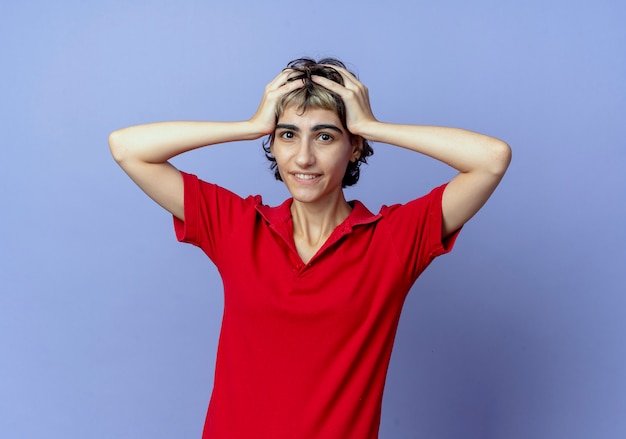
329 84
347 75
348 84
281 79
284 87
340 69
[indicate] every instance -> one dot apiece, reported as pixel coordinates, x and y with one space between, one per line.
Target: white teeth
305 176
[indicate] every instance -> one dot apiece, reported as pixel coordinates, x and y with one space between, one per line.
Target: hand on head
354 95
265 116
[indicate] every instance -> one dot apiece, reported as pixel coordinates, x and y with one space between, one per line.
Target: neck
314 223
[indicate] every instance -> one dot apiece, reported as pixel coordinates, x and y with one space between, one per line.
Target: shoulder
425 203
199 190
213 214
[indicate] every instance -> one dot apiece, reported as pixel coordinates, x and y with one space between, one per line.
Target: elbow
116 146
499 157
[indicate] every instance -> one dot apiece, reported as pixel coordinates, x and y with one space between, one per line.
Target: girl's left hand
355 97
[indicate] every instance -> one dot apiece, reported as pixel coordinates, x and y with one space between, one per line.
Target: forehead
312 116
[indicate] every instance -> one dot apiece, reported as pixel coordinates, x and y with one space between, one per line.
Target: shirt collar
282 214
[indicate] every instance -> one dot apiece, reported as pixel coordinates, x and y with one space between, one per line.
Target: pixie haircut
313 95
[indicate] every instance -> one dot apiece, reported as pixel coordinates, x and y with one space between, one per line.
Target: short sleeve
212 215
415 229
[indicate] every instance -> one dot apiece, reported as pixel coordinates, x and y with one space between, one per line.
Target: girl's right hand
265 117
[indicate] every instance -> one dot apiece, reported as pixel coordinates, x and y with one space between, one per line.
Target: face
312 150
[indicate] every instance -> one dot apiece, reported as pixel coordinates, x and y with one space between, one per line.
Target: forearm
158 142
466 151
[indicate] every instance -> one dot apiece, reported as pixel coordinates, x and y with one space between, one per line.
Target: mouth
305 177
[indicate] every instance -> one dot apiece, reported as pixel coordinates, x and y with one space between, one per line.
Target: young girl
314 287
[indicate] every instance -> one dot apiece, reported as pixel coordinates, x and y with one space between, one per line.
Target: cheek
339 164
278 155
282 160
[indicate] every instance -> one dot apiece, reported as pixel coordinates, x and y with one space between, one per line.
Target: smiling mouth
306 176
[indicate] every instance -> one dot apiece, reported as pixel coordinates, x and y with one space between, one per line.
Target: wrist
366 129
255 130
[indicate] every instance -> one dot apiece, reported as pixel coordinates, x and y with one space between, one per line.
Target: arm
143 151
481 160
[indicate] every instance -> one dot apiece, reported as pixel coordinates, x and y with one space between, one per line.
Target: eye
287 135
325 137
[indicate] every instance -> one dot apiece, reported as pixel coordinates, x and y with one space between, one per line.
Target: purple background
108 326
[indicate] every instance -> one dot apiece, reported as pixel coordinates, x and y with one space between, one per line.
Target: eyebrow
320 127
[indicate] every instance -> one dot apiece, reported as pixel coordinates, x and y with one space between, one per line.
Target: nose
304 155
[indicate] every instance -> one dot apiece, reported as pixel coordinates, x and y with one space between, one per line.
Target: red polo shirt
304 348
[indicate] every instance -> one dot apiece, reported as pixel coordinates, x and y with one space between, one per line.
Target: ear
270 141
357 148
